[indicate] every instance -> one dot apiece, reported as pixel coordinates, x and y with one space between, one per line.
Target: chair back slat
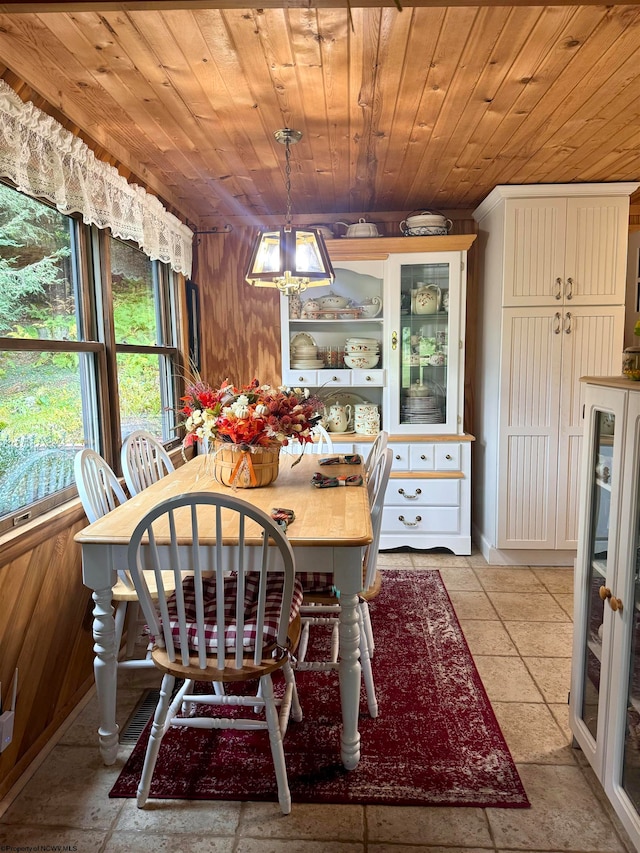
372 470
193 624
144 461
98 486
324 443
381 474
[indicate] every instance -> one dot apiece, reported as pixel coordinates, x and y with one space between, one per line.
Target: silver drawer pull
301 379
423 457
369 378
448 456
398 456
410 523
409 497
334 378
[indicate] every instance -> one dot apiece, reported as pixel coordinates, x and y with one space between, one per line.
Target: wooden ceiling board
566 118
421 40
479 115
463 102
430 107
513 126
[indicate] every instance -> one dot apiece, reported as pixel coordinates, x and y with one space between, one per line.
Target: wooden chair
246 593
320 605
324 444
100 492
144 461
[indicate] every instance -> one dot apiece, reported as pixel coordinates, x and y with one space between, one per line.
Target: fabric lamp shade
290 259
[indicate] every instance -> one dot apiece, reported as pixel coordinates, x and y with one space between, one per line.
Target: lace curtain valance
45 160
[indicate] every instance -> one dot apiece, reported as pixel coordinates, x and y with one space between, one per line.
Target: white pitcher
339 418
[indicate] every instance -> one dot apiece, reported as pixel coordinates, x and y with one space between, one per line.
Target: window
88 350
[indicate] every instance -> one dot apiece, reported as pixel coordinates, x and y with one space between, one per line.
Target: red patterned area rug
436 741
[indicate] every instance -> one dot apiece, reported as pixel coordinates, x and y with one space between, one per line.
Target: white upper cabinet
563 245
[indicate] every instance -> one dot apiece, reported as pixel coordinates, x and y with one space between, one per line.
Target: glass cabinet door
630 780
428 349
602 477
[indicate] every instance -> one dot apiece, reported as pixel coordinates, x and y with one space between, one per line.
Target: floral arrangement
254 415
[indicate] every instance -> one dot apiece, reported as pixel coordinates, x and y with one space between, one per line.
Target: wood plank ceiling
421 108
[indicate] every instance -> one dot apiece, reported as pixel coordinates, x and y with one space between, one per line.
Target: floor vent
140 716
143 712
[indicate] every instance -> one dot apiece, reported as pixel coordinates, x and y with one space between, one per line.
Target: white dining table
332 527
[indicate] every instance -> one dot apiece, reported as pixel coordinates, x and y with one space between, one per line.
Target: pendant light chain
287 183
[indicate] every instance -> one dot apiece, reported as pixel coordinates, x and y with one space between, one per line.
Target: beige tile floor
518 624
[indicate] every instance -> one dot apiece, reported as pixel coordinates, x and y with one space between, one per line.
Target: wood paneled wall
45 632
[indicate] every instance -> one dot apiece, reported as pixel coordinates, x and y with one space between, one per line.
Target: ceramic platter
302 339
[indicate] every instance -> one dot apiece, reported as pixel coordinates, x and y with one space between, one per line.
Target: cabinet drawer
421 457
400 457
297 378
421 519
407 493
334 378
367 377
447 457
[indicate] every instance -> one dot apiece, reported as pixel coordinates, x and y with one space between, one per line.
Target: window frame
98 351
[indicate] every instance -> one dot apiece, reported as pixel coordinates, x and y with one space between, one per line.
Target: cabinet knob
410 523
410 497
334 378
423 457
300 378
448 456
614 603
398 457
368 378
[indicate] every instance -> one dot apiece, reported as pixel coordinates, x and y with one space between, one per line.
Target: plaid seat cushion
252 580
317 583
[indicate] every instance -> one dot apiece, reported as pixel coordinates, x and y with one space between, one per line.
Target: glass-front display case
426 359
602 477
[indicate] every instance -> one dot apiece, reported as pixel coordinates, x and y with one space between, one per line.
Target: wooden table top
324 517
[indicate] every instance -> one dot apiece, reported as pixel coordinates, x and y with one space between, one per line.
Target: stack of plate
422 410
304 353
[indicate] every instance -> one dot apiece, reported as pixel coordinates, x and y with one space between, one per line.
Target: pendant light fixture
289 258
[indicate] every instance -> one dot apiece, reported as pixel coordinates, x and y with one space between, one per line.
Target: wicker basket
245 469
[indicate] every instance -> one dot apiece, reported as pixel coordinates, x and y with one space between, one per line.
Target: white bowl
362 362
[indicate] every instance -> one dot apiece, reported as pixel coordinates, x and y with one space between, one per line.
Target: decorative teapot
427 299
371 307
339 417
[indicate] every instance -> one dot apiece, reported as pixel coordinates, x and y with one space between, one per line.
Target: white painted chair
144 461
323 444
370 466
320 606
255 608
100 492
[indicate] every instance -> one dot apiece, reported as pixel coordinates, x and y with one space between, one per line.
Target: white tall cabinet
604 709
552 292
417 384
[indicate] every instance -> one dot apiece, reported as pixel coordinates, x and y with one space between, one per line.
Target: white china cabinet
417 379
605 684
552 282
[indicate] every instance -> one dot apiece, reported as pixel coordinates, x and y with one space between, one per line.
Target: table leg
105 668
349 674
